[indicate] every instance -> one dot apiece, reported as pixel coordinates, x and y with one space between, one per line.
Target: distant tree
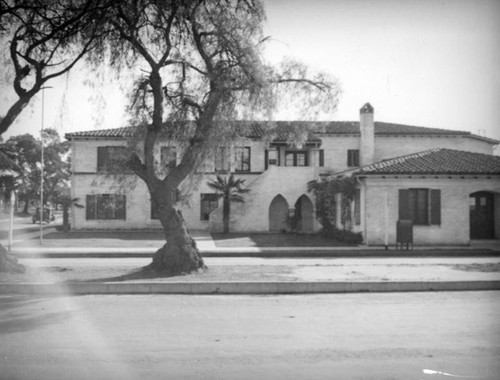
230 190
28 159
198 65
8 169
44 40
56 166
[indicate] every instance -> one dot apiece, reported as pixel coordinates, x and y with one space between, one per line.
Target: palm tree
229 190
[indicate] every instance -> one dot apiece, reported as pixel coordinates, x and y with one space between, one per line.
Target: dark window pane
120 207
353 157
221 159
418 206
90 206
209 202
112 159
301 159
242 159
296 159
436 206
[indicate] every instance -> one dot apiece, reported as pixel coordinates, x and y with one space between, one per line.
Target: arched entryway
278 214
304 214
482 215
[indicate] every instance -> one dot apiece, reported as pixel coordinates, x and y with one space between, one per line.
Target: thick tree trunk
180 254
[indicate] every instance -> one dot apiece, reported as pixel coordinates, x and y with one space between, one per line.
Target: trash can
404 234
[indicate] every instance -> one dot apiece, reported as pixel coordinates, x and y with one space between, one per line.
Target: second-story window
112 159
242 159
222 159
296 158
168 157
353 157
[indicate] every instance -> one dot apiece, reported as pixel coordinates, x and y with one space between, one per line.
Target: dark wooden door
482 217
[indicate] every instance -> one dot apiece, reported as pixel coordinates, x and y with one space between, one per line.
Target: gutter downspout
73 181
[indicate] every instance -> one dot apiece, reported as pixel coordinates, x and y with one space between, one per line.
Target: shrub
344 236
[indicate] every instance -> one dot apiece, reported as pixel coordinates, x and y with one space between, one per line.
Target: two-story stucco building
447 182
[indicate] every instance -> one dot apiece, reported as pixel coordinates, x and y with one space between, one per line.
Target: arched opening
304 214
482 215
278 214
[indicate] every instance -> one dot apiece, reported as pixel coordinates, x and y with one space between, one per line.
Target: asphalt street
336 336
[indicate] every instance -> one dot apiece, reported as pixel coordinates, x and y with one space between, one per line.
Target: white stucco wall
253 215
291 183
454 228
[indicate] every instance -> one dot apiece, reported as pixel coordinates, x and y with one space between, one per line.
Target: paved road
343 336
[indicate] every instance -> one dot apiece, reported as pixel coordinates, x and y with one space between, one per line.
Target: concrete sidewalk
257 276
30 247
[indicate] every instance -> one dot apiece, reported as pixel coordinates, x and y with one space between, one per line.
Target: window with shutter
112 159
321 158
436 206
422 206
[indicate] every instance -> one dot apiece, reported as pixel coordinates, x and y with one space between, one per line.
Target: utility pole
41 171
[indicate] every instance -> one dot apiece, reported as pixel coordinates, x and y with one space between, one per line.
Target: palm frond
237 198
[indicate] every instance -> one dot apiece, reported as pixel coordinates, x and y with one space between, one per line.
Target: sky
430 63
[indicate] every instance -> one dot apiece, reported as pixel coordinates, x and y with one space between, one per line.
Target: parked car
48 215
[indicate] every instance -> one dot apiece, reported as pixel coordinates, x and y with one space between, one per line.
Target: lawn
230 240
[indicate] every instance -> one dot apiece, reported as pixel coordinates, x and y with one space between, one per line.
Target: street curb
259 252
207 288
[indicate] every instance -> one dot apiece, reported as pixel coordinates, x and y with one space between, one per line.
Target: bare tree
44 40
198 66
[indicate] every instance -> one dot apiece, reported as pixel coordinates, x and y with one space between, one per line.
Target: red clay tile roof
103 133
436 161
280 130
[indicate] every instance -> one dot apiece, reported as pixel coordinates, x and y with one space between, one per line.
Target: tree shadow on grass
143 273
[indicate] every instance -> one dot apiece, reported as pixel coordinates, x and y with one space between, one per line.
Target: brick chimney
367 130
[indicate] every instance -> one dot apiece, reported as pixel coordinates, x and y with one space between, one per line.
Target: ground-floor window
106 206
422 206
209 202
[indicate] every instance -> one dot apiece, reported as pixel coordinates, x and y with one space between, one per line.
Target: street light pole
41 171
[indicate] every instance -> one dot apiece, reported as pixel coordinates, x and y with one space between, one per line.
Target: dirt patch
121 274
488 267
